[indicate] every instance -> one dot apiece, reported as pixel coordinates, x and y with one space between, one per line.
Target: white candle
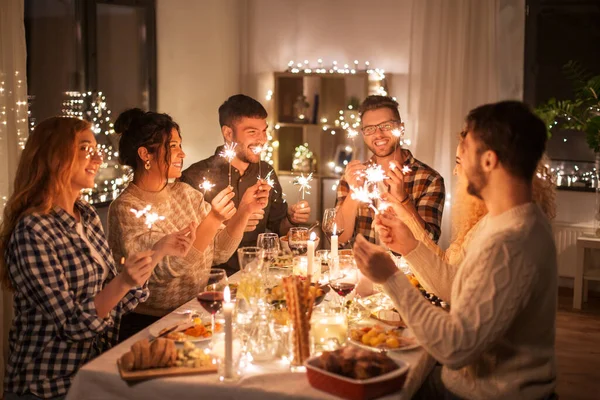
334 242
228 311
310 254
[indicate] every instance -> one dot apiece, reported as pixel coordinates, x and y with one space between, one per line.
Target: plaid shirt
56 329
424 186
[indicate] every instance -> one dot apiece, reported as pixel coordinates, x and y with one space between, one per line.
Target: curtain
464 53
13 127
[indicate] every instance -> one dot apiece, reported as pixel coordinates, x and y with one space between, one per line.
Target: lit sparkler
352 133
151 217
258 150
304 183
206 185
228 153
406 169
375 174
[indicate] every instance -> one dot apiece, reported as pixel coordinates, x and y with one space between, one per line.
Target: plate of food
276 294
185 331
378 338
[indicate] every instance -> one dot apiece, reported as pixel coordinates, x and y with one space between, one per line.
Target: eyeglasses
383 127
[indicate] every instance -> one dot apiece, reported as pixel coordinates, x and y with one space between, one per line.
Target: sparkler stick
352 133
304 183
228 153
258 150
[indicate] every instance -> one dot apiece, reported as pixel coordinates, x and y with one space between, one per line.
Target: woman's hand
137 269
373 261
223 207
176 244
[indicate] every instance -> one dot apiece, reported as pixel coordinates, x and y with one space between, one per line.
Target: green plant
582 113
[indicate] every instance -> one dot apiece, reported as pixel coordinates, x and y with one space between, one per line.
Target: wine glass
269 243
297 239
344 280
212 298
333 223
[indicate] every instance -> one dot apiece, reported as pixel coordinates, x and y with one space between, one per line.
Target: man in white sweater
497 342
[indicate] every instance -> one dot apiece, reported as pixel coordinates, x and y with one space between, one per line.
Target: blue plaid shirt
56 328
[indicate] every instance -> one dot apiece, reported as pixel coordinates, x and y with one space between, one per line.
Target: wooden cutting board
133 376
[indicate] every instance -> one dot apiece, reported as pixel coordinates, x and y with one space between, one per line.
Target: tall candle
228 311
310 254
334 242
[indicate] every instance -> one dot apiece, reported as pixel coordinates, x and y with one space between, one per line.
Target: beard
467 210
476 182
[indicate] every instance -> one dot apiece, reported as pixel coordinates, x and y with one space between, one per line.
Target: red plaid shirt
426 190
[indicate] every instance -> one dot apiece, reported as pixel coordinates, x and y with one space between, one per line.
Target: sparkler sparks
352 133
228 151
406 169
304 183
151 217
206 185
375 174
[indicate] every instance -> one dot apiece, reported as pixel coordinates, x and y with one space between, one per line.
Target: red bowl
356 389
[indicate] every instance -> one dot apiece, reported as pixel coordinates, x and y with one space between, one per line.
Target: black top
216 170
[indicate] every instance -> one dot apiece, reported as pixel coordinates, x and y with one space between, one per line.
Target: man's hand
254 220
256 197
374 262
354 173
299 213
396 181
393 232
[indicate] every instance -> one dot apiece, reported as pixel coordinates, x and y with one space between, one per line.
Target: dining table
100 378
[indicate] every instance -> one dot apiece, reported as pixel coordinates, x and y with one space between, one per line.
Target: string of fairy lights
112 177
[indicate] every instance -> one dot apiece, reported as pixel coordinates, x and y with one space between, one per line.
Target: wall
198 61
276 32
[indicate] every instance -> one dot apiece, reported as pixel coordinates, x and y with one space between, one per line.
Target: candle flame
313 236
227 295
334 229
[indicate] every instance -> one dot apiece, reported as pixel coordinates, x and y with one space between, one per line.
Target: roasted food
356 363
377 336
144 355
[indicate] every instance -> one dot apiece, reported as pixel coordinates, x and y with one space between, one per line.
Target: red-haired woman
68 296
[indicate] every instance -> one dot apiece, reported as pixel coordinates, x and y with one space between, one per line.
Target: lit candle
228 311
310 254
334 242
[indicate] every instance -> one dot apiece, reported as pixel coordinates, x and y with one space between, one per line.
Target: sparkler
406 169
399 133
228 153
258 150
206 185
151 217
304 183
364 195
375 174
269 180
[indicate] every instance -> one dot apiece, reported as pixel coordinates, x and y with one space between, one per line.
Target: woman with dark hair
68 296
190 237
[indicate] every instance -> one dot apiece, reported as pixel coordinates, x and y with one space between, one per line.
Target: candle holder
238 363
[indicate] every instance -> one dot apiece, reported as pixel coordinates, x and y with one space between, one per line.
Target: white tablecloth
100 379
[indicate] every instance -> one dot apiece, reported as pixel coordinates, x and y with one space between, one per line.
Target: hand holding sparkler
223 207
299 213
259 149
396 181
354 173
176 244
136 270
256 197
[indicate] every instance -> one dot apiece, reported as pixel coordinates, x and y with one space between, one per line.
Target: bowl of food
356 374
276 294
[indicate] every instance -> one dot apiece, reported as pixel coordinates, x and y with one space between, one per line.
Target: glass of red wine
212 296
344 280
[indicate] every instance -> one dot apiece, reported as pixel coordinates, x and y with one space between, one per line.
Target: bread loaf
144 355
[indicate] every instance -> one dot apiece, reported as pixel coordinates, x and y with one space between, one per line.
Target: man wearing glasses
419 187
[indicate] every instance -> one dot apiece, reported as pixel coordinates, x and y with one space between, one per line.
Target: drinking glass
212 296
297 239
332 223
269 243
251 283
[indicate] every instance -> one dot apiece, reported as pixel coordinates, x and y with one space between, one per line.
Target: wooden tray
133 376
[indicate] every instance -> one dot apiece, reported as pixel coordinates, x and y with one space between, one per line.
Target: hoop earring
147 165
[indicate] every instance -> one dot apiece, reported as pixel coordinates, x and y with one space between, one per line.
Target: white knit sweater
497 342
180 204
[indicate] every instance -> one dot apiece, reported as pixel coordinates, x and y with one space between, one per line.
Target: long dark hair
148 129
